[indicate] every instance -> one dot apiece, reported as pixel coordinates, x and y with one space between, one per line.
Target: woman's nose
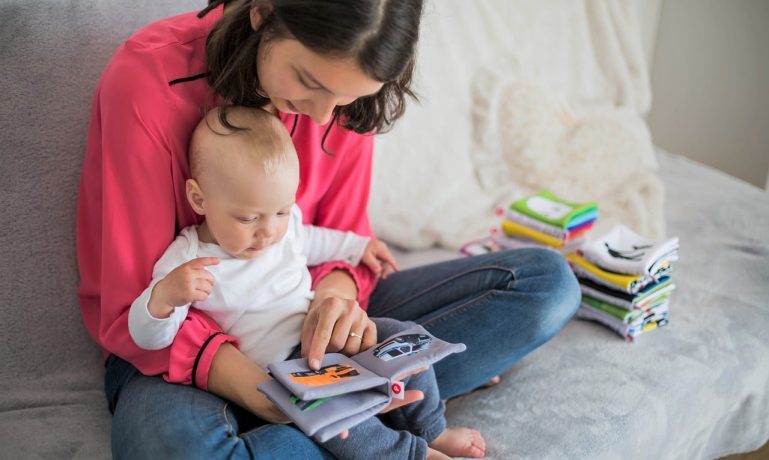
322 109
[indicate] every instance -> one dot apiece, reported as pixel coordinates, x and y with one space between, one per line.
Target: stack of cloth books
625 280
542 219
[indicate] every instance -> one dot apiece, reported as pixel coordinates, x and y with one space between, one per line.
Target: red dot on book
396 389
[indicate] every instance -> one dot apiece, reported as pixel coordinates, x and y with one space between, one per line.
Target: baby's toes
478 444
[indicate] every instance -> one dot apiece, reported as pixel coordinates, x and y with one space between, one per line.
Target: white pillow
428 186
527 139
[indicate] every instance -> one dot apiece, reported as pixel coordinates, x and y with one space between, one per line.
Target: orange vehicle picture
325 375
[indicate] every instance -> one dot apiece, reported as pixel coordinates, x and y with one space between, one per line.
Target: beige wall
710 84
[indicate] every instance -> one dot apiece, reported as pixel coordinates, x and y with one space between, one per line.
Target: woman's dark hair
380 34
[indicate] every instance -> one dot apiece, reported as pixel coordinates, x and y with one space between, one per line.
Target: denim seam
447 280
515 278
463 306
231 428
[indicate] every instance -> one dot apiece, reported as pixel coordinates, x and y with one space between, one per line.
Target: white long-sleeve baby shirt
262 302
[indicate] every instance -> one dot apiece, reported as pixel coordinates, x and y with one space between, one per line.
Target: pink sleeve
344 206
126 219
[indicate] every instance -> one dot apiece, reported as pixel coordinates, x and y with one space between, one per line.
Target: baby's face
249 210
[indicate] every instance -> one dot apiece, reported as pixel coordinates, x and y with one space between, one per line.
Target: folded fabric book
624 251
348 390
627 324
548 208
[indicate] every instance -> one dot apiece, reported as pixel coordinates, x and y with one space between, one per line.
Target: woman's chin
288 107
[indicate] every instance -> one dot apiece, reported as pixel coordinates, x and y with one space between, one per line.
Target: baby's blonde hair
261 137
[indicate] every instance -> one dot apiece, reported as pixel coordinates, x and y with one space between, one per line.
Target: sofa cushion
52 403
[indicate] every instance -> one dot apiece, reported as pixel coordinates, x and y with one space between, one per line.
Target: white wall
710 84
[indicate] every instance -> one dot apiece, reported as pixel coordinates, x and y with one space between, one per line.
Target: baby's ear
195 197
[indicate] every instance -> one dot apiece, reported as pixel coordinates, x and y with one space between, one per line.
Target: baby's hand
185 284
379 259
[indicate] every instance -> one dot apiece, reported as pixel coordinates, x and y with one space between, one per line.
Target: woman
332 71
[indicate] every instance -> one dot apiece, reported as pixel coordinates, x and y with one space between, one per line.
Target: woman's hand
335 324
335 321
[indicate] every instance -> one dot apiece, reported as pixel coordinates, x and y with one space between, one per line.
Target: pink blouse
132 197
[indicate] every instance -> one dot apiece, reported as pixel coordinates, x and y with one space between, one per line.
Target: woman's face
301 81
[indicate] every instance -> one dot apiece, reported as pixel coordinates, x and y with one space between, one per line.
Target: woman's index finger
321 336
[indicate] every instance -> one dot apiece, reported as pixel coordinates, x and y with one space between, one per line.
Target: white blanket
457 154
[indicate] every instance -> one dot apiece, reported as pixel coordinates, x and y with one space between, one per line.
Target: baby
246 267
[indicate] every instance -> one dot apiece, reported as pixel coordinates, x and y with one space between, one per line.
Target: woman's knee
558 290
546 276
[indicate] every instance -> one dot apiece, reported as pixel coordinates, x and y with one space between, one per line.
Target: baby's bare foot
433 454
494 381
460 442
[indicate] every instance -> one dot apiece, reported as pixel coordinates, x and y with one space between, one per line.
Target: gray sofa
697 389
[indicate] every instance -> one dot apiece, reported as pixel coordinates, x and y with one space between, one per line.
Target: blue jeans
401 434
501 305
156 419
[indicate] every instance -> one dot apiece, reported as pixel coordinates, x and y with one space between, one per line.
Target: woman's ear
258 12
195 197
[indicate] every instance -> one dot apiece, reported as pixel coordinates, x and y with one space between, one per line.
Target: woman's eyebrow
311 79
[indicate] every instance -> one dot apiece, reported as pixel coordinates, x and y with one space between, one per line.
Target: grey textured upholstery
52 403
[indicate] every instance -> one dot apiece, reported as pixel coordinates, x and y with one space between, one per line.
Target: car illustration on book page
403 345
325 375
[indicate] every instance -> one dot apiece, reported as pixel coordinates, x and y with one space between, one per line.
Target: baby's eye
283 213
248 220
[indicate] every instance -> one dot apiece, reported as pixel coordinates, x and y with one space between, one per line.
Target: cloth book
514 229
546 207
347 390
564 234
631 284
645 298
499 242
480 246
650 319
623 251
625 316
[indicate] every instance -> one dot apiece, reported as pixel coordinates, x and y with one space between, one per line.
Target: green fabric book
626 316
546 207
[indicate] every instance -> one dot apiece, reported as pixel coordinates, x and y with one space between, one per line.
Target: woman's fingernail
315 364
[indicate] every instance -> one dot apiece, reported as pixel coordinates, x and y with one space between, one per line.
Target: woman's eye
305 84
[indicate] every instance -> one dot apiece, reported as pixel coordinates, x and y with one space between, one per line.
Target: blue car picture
403 345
